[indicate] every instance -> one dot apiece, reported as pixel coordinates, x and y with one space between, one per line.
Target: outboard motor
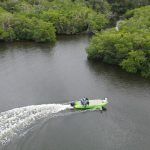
105 100
72 104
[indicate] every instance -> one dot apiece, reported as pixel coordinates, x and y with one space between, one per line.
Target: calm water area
36 78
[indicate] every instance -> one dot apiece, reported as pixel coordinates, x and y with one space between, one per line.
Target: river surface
38 80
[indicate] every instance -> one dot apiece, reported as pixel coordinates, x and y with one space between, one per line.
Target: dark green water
46 73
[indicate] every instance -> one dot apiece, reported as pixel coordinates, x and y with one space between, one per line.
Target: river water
38 80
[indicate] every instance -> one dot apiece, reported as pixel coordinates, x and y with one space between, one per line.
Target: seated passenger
87 101
83 101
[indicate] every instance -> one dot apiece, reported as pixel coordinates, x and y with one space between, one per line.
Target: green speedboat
95 103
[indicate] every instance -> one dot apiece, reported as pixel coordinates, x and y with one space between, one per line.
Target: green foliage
16 27
68 19
133 61
23 8
8 4
71 18
39 20
99 6
96 22
3 34
124 5
44 32
6 23
23 27
129 47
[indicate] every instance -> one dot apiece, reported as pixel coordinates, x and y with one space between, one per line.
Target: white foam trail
17 119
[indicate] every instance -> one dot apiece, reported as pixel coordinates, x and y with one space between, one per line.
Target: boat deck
91 102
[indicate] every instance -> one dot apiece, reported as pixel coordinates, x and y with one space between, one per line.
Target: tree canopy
40 20
121 6
129 47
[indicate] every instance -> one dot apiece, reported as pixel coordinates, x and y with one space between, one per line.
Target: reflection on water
25 46
116 73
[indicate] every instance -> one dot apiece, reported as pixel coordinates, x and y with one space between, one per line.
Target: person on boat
87 101
83 101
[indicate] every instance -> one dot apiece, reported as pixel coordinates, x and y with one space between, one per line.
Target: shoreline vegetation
128 47
42 20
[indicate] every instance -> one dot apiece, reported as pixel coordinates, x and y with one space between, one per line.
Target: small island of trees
128 47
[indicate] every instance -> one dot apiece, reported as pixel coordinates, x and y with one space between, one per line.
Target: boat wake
15 120
18 119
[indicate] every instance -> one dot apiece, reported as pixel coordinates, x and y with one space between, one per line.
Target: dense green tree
17 26
134 61
129 47
70 18
99 5
23 7
124 5
6 23
44 32
29 19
